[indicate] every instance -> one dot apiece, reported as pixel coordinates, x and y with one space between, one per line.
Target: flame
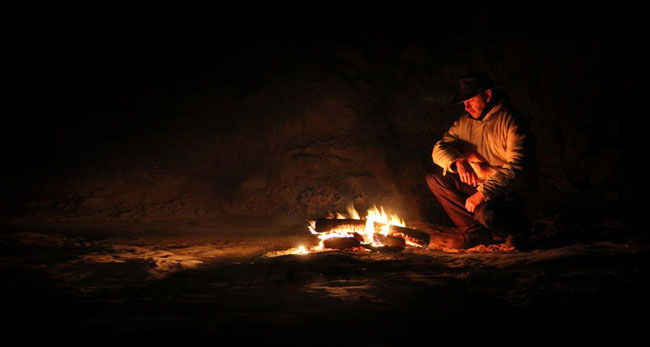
301 250
353 212
377 217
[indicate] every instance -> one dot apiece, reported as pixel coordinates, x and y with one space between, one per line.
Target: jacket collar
484 118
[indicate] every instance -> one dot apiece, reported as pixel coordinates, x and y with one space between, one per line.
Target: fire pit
378 231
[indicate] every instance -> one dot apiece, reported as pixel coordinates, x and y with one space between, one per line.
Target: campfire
377 231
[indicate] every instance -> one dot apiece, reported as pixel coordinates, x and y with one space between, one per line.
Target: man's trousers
503 215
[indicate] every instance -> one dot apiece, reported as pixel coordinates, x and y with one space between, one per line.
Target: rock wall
309 116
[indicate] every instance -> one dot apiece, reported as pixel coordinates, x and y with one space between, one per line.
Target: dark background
136 141
293 111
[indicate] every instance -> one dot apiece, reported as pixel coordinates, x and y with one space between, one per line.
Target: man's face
476 104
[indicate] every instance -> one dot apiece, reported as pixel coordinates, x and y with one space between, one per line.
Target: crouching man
481 163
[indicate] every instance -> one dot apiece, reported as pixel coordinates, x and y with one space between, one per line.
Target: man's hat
471 85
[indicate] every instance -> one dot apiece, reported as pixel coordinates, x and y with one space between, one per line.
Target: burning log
412 235
324 225
341 242
418 237
390 241
358 237
447 240
390 244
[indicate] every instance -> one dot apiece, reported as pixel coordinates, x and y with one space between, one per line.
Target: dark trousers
503 215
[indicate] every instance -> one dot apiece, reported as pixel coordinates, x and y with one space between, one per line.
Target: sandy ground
208 279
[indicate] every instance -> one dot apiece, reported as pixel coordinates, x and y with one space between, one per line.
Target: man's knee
432 181
435 180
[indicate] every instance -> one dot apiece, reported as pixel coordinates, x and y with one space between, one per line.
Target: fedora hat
471 85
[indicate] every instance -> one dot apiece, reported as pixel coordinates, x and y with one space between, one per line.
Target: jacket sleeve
511 175
444 153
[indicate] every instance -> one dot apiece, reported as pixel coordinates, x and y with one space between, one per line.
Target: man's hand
480 166
465 172
473 201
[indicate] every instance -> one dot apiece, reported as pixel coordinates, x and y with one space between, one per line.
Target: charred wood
341 242
418 237
391 241
324 225
447 240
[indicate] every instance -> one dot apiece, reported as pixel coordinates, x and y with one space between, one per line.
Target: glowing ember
301 250
497 248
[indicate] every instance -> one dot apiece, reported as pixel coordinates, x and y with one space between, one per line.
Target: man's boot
471 237
519 241
477 235
439 240
519 238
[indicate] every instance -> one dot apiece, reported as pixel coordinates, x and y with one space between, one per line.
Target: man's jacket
500 137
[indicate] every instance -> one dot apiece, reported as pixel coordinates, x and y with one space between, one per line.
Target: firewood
418 237
341 242
412 235
324 225
446 240
391 241
358 237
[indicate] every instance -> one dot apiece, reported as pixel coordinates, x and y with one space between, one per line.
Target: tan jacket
499 138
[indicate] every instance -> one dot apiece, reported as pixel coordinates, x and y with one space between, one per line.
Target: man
481 162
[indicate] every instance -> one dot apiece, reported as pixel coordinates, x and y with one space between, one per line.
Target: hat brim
464 96
467 94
